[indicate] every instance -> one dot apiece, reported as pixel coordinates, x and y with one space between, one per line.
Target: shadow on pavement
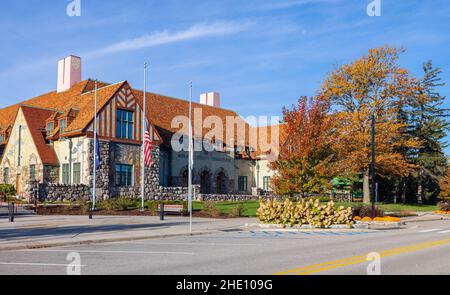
77 230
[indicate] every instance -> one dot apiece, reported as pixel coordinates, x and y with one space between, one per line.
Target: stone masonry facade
110 153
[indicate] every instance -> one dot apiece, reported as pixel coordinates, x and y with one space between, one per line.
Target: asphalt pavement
418 249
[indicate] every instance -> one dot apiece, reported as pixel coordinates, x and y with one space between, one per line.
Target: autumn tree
376 85
303 166
445 186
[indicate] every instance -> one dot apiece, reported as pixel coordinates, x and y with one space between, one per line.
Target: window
76 173
62 125
65 174
242 183
124 175
32 172
266 183
6 175
124 128
49 128
2 138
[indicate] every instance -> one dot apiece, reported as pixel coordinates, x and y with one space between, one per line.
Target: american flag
148 149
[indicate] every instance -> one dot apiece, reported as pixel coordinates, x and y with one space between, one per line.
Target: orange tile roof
35 119
161 110
52 100
86 114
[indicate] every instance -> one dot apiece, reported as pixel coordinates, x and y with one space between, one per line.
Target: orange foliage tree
304 162
445 187
374 84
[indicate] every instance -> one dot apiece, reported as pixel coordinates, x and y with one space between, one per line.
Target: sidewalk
30 232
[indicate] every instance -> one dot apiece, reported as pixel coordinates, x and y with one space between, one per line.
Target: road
422 248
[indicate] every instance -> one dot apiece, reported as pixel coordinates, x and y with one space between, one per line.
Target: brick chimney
210 99
69 72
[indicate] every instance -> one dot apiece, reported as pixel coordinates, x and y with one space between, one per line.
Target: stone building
46 144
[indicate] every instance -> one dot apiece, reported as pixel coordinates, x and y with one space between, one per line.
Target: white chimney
210 99
69 72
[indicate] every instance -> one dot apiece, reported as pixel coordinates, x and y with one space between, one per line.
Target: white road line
429 230
444 232
106 252
39 264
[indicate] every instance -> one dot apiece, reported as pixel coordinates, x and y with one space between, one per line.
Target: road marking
106 252
316 268
429 230
40 264
444 232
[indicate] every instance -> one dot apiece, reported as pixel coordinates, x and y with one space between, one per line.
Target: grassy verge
395 207
225 208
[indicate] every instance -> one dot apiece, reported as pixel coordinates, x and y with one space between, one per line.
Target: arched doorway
221 183
205 182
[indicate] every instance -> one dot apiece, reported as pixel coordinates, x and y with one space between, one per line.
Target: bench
170 209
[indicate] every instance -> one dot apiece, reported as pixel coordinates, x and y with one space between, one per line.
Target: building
46 144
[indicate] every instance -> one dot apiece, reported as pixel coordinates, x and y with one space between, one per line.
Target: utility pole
373 168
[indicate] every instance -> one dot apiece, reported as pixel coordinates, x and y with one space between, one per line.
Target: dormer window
62 125
49 128
2 139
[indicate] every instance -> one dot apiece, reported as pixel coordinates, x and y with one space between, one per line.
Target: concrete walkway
29 232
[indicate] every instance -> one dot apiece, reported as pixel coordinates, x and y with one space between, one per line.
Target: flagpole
94 189
143 140
191 159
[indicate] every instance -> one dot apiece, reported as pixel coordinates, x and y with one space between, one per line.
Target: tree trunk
366 187
404 191
420 193
420 189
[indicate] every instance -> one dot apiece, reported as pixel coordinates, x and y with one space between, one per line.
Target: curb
281 227
437 218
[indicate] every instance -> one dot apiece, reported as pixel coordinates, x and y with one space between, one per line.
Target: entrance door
205 183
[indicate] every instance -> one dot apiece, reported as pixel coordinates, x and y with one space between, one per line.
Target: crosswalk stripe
444 232
429 230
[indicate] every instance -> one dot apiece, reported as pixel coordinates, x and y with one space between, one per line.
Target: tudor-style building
46 143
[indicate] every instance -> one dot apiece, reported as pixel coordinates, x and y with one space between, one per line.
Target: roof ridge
185 100
41 108
110 85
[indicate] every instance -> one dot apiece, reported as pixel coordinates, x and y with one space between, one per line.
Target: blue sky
260 55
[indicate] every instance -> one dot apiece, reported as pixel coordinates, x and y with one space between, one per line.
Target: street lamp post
373 168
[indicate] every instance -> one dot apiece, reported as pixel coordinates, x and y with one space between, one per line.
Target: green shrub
119 204
7 190
303 212
237 211
211 209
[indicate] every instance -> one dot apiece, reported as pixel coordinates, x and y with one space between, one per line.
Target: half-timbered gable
120 119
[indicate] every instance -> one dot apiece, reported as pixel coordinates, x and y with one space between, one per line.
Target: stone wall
224 198
61 192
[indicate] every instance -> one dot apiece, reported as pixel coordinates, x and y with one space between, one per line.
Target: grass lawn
250 207
396 207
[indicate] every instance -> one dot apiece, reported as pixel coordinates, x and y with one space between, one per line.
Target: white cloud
166 37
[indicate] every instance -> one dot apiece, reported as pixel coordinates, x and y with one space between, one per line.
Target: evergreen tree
429 125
